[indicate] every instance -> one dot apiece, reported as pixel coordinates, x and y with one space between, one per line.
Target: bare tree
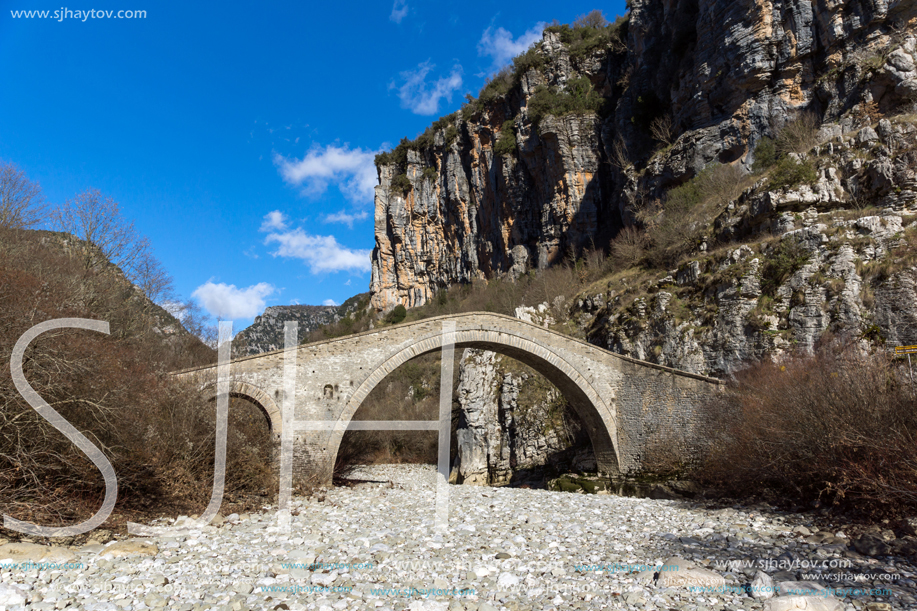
192 318
619 156
595 19
663 129
111 238
152 278
22 204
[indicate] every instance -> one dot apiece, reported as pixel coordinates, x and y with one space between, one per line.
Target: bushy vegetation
532 59
506 141
836 427
676 224
398 156
786 258
157 433
396 315
586 35
497 86
765 155
790 172
578 97
591 32
401 183
781 155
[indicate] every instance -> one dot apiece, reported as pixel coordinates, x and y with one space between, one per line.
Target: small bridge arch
255 395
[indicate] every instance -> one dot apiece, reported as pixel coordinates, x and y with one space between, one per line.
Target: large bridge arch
598 413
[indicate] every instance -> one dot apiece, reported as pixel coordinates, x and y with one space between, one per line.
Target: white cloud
329 302
502 47
399 11
346 218
321 253
352 170
274 220
228 302
422 98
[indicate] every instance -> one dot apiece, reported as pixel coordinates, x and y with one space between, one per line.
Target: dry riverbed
374 546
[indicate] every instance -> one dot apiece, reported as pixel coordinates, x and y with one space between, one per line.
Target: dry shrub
678 223
837 427
157 433
721 184
555 286
619 156
629 247
799 135
870 112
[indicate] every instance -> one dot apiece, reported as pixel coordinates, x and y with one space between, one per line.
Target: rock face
524 176
266 333
512 421
854 271
451 209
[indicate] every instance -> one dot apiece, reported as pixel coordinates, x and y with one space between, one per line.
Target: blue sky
239 138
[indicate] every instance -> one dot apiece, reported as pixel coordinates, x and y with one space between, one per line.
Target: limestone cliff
796 263
557 154
266 332
513 424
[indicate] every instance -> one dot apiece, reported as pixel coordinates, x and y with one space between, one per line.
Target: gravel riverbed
373 546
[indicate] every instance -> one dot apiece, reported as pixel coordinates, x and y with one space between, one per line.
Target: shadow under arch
597 413
255 395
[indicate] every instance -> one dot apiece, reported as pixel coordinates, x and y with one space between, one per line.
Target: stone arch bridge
630 408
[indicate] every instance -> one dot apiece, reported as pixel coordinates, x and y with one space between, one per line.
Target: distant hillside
135 317
266 333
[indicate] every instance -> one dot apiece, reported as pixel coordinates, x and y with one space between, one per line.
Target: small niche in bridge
328 392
